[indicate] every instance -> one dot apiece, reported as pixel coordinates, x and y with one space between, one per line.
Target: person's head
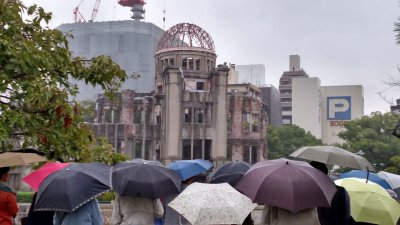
4 173
319 166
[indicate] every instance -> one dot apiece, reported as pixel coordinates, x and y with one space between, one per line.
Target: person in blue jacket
87 214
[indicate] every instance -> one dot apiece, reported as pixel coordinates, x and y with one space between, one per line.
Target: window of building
197 64
229 152
199 86
199 115
197 149
209 64
188 115
184 63
138 149
251 122
107 116
191 63
186 152
250 154
171 62
137 116
229 121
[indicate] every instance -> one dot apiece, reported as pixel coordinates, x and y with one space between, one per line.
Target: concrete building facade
340 104
285 87
247 122
131 44
271 97
306 104
185 116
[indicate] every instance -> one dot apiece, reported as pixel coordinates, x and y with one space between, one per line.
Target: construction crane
95 10
136 8
78 13
78 17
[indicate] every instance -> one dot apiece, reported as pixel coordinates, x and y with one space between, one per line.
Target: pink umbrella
35 178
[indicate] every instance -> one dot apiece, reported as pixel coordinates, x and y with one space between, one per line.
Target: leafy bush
106 197
24 197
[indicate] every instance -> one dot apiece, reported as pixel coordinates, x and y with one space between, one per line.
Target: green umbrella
370 202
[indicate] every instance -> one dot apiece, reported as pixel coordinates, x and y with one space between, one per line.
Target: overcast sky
343 42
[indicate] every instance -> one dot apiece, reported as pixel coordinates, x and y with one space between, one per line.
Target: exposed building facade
247 122
285 87
131 44
185 117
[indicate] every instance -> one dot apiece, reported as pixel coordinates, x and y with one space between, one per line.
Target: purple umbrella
288 184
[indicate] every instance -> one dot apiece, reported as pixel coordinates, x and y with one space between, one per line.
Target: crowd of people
129 210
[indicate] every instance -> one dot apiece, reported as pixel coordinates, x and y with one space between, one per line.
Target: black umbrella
71 187
230 173
149 179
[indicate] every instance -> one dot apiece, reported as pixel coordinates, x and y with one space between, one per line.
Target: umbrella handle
367 175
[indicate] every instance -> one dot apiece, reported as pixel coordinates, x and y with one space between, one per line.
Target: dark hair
319 166
4 170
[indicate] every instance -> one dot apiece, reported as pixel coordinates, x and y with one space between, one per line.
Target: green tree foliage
372 135
284 140
36 67
88 110
394 165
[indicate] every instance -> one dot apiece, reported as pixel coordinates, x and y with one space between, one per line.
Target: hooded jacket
8 205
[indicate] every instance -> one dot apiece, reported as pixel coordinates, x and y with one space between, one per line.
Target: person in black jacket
339 212
38 217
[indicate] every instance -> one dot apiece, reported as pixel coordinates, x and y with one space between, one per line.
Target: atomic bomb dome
186 36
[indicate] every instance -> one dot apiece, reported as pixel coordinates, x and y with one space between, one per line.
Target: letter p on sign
339 108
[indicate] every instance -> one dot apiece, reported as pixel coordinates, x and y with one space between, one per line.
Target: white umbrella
212 204
391 178
333 156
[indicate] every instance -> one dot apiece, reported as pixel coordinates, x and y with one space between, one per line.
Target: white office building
340 104
306 104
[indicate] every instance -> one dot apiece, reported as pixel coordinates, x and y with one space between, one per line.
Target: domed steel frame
186 35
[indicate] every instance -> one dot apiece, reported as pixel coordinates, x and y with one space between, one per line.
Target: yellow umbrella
19 159
370 202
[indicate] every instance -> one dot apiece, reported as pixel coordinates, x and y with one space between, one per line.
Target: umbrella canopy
366 175
35 178
370 202
212 204
189 168
143 178
332 155
230 173
19 159
391 178
70 187
288 184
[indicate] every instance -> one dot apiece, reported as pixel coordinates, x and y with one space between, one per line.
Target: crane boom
95 10
77 13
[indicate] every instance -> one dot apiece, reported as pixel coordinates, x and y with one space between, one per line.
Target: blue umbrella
190 168
366 175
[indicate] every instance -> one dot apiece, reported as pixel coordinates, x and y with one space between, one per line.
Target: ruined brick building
192 112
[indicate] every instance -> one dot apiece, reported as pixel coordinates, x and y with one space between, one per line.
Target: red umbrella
35 178
288 184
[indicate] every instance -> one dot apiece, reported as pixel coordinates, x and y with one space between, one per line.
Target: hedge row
26 197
